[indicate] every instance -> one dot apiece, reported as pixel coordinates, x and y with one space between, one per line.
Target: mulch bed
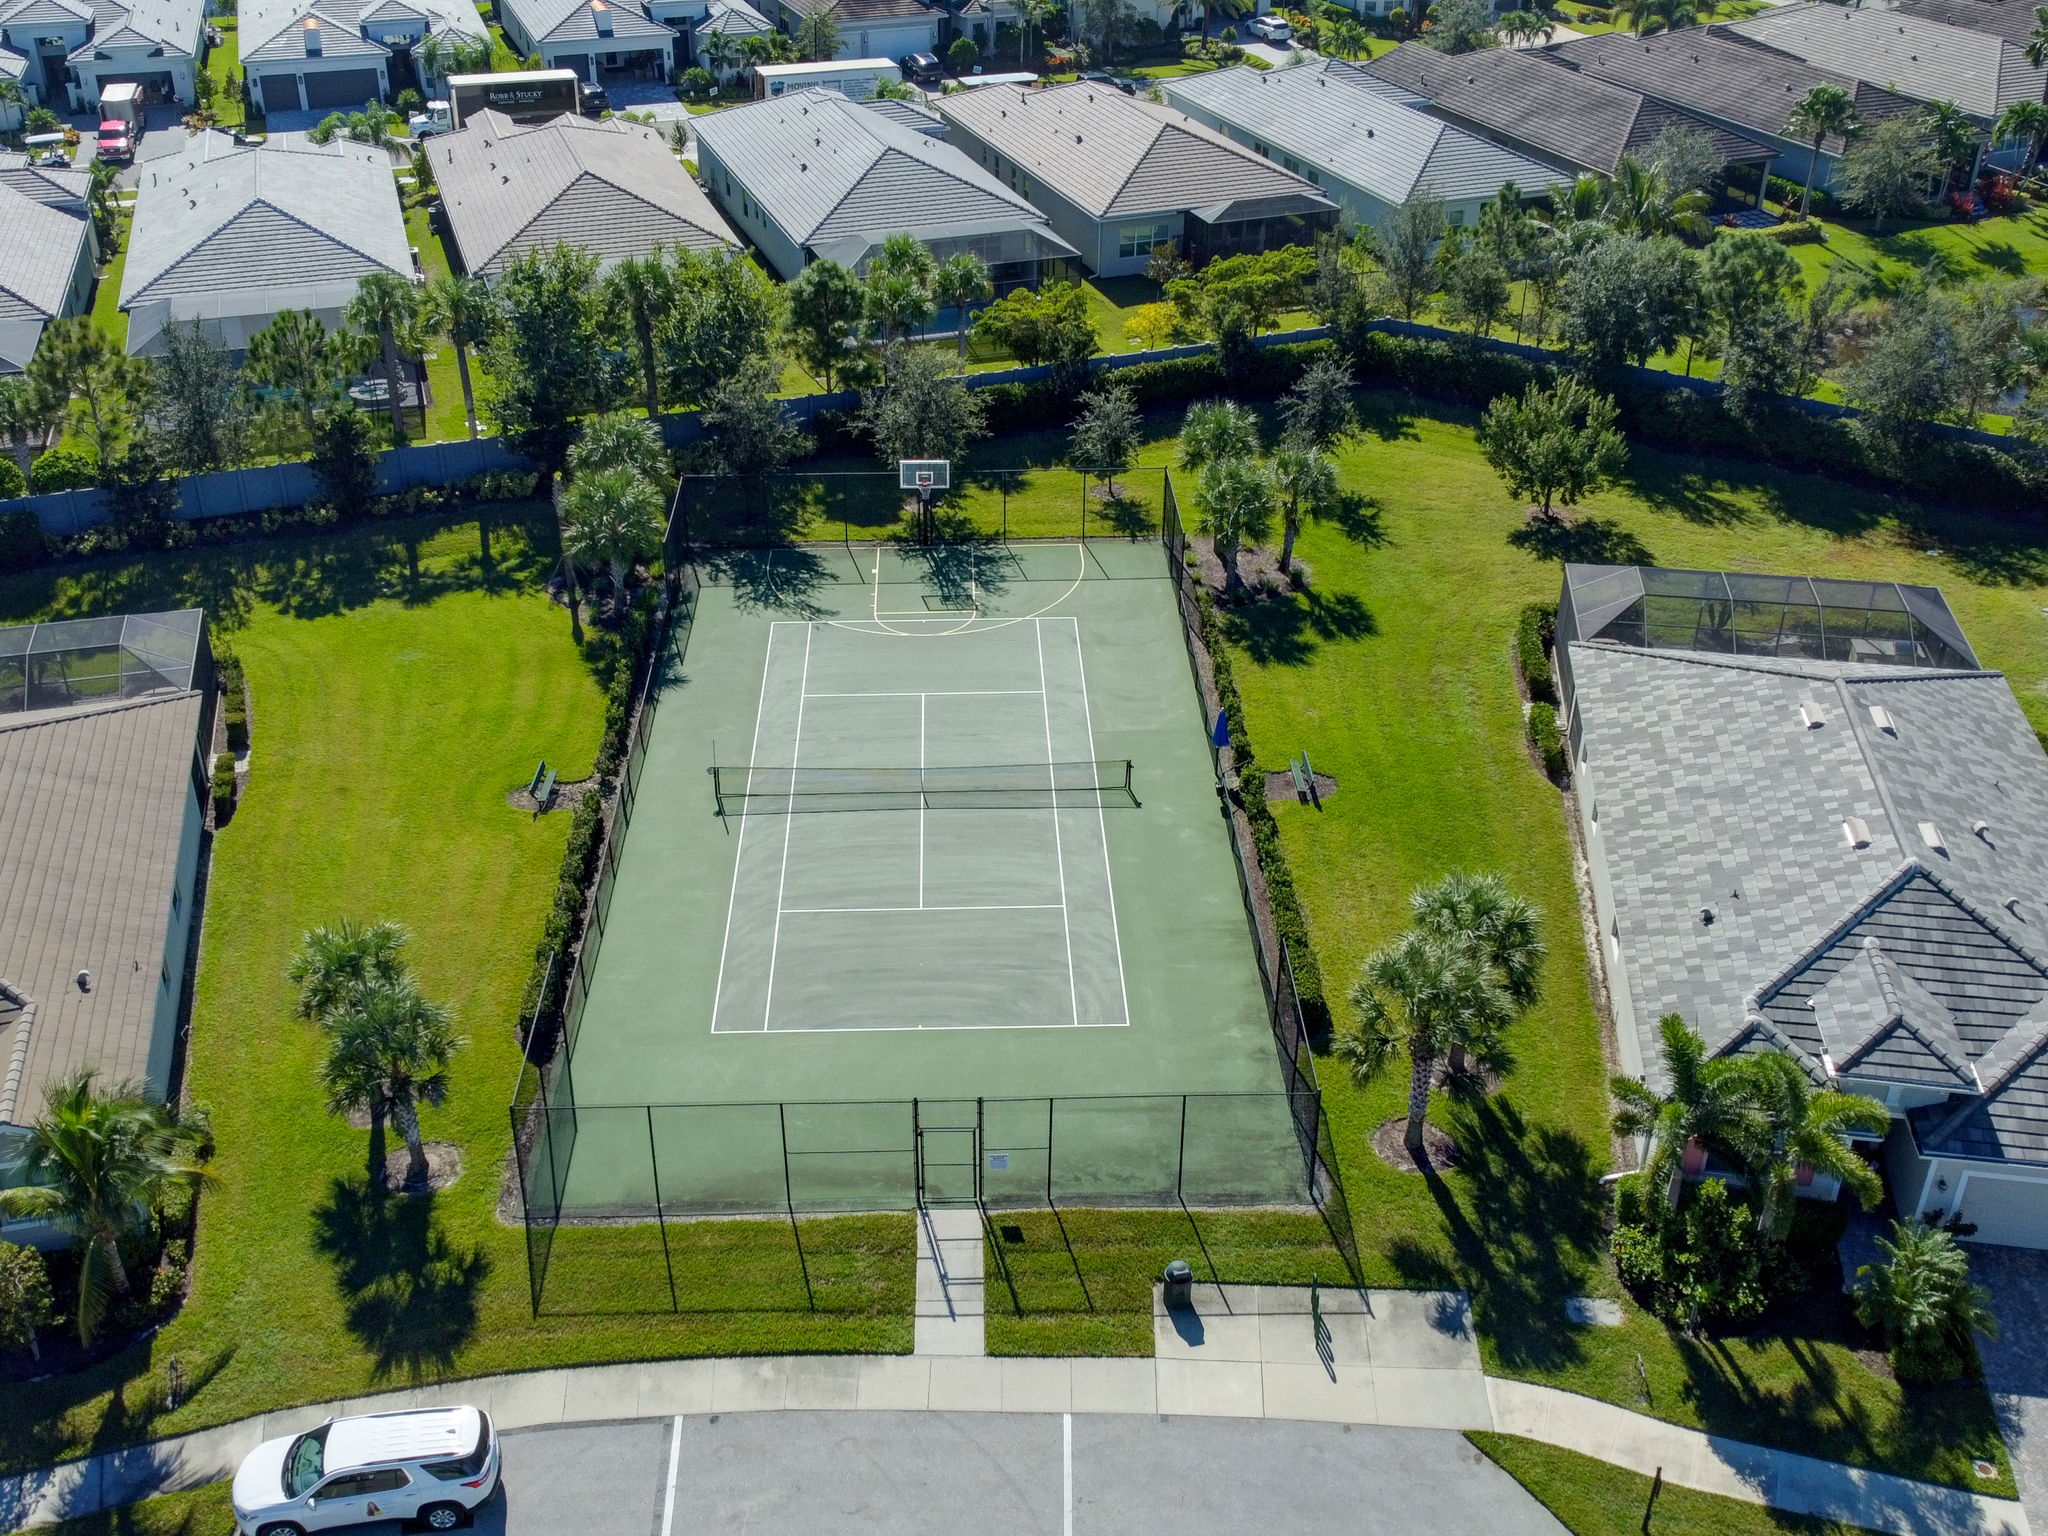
1280 786
1390 1142
566 797
444 1167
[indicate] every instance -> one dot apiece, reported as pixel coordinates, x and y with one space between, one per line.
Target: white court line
960 625
932 693
904 1029
788 834
675 1458
1023 906
739 861
1052 780
920 801
1108 882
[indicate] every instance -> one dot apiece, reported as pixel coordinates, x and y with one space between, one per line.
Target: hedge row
1288 921
223 787
1785 193
1547 740
1533 635
234 692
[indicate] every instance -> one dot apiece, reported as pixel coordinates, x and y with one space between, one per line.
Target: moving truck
120 121
524 95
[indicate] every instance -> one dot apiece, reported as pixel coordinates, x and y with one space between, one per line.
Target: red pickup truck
115 143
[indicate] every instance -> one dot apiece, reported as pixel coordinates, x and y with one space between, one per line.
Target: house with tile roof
63 51
874 29
1816 825
46 270
613 188
335 55
1732 83
103 728
812 175
593 37
1574 121
229 235
1927 60
1368 145
1117 176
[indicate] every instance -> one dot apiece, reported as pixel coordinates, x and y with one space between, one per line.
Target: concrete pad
1298 1391
822 1381
1423 1329
675 1386
1593 1311
967 1385
1211 1388
941 1336
1429 1399
1037 1386
894 1381
1115 1386
748 1386
1215 1335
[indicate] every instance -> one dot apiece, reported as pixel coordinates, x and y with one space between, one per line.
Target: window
302 1463
1138 239
466 1466
357 1485
1455 217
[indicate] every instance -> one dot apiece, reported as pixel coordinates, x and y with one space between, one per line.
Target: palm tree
611 517
334 964
1824 111
1427 995
1307 482
2024 120
1502 931
1808 1129
644 292
1217 429
1032 16
27 413
465 311
1652 16
97 1164
1709 1106
898 279
1236 496
1954 138
386 306
723 50
962 279
1923 1299
2037 45
388 1052
617 440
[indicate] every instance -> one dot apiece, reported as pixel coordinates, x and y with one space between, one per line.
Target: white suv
433 1465
1274 29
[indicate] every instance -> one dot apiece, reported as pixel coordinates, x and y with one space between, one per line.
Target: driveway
941 1474
2016 1363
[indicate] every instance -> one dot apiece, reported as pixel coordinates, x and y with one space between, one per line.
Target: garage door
2009 1211
580 62
280 93
342 88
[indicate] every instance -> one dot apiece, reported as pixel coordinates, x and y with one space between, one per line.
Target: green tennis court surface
962 847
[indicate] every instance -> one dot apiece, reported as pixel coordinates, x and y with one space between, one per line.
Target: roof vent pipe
1983 830
1857 831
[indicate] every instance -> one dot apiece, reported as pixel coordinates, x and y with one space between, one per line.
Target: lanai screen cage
92 661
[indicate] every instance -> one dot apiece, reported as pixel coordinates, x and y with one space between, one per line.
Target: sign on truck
525 96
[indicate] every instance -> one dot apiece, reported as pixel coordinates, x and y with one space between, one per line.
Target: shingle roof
1580 120
1332 120
612 187
92 813
176 26
1980 73
39 248
826 169
245 219
1720 75
1111 155
569 21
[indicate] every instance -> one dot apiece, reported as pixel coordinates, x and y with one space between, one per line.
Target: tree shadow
1388 417
1691 495
1289 630
785 580
1582 541
2002 257
410 1294
1359 519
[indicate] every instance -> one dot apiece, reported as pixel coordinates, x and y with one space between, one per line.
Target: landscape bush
62 469
11 483
21 541
1534 632
1701 1263
234 694
1548 741
223 786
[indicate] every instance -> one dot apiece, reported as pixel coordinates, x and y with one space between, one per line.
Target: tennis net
752 791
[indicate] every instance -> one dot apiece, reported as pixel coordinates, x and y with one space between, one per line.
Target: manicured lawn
206 1511
107 314
1394 674
225 64
1992 248
446 421
400 692
1592 1498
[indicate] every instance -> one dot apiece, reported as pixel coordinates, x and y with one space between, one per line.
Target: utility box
1176 1286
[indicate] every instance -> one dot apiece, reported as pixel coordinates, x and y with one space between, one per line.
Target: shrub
1797 232
11 483
1533 634
1548 741
1703 1263
697 81
234 699
26 1302
21 541
1923 1299
223 786
62 469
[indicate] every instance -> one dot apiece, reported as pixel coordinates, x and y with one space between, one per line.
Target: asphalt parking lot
841 1474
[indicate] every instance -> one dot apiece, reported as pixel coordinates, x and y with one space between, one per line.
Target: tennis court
925 871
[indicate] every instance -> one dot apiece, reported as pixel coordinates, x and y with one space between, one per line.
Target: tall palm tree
335 964
1424 995
1808 1129
386 307
1217 429
1824 111
2024 120
1954 138
465 311
1709 1105
1032 16
388 1050
97 1163
611 517
1502 931
723 50
961 280
27 413
619 440
1307 482
1236 499
643 291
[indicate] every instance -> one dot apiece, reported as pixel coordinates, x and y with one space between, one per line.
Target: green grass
400 691
107 314
446 421
224 64
1593 1498
206 1511
1993 248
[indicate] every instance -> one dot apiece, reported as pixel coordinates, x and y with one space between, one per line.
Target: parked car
594 101
1272 29
921 67
431 1465
1115 82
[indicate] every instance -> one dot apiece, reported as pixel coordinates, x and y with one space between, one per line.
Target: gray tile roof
1578 119
826 170
228 219
28 13
1112 155
1333 120
39 248
1722 789
1981 73
2012 20
850 13
273 29
45 184
909 114
175 26
733 17
93 809
575 21
1721 75
611 187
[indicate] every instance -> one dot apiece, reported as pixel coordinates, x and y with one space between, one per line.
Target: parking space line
1067 1473
675 1456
